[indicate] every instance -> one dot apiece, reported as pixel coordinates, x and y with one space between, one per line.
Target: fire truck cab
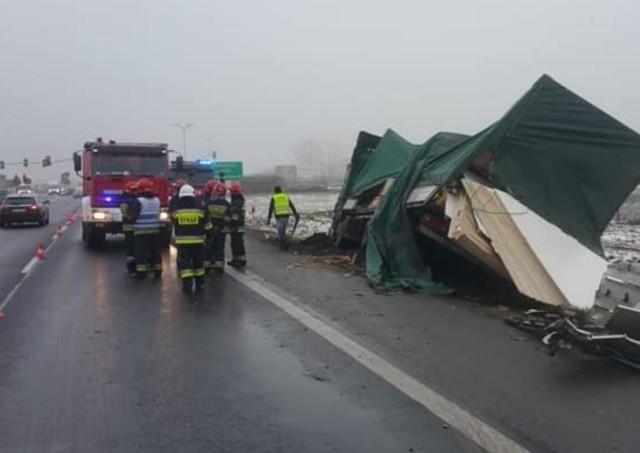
196 173
105 167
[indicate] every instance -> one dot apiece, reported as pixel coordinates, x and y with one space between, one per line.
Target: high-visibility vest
190 226
149 219
281 204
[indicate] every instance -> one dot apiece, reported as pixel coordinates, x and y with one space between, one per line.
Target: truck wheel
92 239
95 239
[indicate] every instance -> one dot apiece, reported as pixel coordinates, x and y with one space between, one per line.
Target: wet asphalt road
18 243
93 361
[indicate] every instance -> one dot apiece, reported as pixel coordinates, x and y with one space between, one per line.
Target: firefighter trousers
215 252
191 265
147 253
238 252
130 258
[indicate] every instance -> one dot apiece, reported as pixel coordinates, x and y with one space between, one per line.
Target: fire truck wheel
92 239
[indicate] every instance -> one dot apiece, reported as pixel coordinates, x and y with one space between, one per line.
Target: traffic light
1 165
46 162
179 163
25 163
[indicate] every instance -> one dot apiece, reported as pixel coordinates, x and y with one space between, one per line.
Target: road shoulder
465 352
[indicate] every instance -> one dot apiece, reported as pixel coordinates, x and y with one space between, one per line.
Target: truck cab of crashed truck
105 167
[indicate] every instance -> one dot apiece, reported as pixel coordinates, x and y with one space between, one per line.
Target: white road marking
26 272
62 230
472 427
29 265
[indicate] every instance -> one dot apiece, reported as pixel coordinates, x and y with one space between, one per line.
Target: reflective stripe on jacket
148 221
190 226
237 212
281 205
218 209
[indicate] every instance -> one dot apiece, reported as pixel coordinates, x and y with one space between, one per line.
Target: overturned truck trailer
375 163
526 199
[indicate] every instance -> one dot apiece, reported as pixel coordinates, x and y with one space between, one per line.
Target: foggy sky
256 77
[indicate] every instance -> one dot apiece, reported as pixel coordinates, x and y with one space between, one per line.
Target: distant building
288 174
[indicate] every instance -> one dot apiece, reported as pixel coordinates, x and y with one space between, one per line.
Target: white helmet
187 191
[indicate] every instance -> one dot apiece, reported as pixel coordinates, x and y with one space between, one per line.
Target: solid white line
473 428
55 235
29 265
26 272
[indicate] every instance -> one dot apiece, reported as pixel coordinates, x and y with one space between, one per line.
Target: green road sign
232 170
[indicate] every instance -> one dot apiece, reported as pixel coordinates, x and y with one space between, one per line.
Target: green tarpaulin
387 160
392 256
559 155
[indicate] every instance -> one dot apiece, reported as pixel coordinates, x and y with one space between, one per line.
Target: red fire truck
105 167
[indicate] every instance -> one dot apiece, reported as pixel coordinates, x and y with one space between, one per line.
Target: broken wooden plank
576 270
527 272
463 230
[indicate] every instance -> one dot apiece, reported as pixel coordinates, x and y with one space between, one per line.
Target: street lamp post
183 128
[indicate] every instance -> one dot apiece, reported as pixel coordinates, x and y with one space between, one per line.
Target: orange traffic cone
40 253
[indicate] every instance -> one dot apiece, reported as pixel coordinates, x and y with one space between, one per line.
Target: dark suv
20 208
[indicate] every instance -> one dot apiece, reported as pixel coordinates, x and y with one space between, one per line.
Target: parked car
54 191
19 208
77 192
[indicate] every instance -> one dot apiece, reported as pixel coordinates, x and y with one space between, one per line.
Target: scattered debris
611 328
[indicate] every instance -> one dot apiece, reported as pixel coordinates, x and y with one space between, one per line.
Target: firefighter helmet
180 183
187 191
145 185
235 188
219 189
208 188
130 187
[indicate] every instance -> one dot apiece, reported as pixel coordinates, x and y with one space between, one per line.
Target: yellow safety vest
281 204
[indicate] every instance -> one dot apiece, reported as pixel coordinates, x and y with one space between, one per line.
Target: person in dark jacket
128 199
191 227
237 225
145 214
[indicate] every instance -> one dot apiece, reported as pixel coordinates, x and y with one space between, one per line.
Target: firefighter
218 208
191 226
236 225
281 207
174 199
145 213
206 195
128 199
